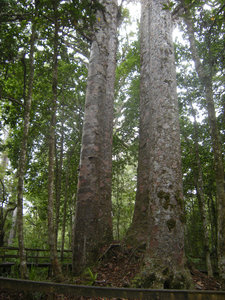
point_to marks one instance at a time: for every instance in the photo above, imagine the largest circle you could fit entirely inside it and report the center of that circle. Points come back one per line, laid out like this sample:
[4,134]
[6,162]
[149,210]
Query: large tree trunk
[93,223]
[56,268]
[23,157]
[164,258]
[205,76]
[138,231]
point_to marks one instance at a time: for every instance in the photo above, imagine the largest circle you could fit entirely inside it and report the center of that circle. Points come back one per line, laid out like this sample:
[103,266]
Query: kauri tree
[164,262]
[93,220]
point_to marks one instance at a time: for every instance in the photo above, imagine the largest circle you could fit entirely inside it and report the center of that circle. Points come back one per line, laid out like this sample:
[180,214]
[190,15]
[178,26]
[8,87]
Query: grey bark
[164,259]
[205,71]
[93,222]
[138,231]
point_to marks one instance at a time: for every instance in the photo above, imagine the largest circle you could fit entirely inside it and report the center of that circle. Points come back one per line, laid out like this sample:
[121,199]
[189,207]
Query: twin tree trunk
[93,220]
[160,184]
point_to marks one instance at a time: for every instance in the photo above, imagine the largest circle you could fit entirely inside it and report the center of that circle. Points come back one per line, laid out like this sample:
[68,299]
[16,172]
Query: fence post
[37,255]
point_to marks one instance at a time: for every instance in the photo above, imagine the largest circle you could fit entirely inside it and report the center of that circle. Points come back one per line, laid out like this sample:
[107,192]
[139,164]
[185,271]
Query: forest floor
[117,267]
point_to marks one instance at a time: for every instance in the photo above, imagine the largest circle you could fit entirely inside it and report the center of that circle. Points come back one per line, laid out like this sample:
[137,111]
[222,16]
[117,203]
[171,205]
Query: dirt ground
[119,266]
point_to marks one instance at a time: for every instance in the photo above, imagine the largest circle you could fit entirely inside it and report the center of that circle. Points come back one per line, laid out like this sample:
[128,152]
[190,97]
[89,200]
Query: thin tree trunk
[59,165]
[3,197]
[64,214]
[23,157]
[164,262]
[57,272]
[93,221]
[213,221]
[2,231]
[138,231]
[201,197]
[118,195]
[205,77]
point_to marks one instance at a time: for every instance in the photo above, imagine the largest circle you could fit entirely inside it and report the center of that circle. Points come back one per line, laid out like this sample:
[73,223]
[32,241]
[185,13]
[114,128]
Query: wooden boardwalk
[95,292]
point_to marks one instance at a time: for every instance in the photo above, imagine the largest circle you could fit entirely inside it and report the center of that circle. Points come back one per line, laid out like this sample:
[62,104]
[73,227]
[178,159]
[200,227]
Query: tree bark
[164,263]
[93,221]
[56,268]
[204,71]
[138,231]
[23,157]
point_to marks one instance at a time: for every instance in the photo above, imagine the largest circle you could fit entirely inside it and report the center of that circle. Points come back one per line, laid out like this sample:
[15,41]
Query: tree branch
[14,17]
[214,22]
[12,100]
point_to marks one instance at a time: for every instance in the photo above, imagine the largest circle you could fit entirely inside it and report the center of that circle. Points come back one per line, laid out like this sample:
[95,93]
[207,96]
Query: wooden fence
[35,257]
[108,293]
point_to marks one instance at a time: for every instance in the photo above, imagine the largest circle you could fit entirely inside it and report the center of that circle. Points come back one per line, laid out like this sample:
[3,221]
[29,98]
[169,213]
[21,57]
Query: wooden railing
[35,257]
[95,292]
[32,255]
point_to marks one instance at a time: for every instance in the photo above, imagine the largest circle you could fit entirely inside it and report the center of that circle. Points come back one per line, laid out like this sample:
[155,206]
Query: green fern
[93,277]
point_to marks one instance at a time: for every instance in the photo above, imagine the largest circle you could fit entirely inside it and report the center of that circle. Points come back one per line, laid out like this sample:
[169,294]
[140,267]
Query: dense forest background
[44,57]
